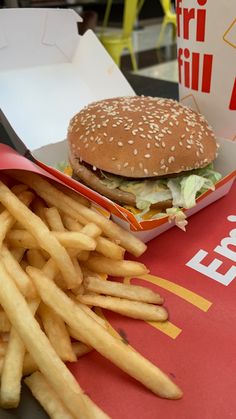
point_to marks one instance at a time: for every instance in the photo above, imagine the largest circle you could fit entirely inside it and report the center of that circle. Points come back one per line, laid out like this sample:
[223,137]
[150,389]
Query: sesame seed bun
[139,137]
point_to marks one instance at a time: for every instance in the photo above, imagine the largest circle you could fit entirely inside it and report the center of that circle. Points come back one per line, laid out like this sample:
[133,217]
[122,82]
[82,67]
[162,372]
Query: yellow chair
[116,43]
[169,18]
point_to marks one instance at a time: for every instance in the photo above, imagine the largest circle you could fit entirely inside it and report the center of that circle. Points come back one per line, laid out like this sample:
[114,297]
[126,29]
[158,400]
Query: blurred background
[140,35]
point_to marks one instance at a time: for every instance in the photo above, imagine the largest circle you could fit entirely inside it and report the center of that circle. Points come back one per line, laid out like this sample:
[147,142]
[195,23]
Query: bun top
[141,137]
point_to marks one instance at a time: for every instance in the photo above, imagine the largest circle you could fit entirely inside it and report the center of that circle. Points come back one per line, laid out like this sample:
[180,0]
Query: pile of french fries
[56,253]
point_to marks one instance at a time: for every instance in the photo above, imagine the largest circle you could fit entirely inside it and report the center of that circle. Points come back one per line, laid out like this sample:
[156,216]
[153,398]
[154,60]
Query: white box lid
[48,72]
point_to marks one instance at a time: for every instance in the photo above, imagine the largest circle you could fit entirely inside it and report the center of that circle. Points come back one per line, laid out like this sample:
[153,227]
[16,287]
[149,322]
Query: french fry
[70,223]
[12,371]
[38,345]
[75,240]
[75,334]
[133,309]
[104,246]
[42,234]
[79,272]
[102,264]
[38,206]
[80,349]
[54,219]
[114,349]
[89,311]
[74,195]
[118,289]
[71,207]
[50,269]
[7,220]
[19,188]
[68,239]
[30,366]
[109,249]
[35,258]
[91,230]
[13,366]
[47,397]
[55,223]
[20,277]
[18,253]
[5,325]
[57,333]
[83,255]
[3,347]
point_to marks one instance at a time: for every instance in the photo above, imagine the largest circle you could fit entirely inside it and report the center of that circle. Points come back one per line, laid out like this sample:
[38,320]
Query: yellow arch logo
[166,327]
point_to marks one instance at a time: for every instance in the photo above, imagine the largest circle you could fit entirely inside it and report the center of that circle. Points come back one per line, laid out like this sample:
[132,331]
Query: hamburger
[151,155]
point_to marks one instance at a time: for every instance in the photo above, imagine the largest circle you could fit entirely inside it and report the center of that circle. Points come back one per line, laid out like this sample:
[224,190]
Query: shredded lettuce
[147,192]
[182,190]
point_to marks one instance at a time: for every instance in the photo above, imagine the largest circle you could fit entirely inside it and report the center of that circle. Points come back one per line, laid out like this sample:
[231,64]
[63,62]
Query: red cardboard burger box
[195,271]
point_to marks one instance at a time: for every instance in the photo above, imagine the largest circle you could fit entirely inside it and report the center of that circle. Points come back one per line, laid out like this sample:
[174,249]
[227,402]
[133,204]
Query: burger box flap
[47,74]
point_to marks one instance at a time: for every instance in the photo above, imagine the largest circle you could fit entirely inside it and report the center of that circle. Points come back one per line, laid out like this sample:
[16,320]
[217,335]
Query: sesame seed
[163,144]
[173,148]
[157,145]
[171,159]
[147,156]
[126,164]
[120,144]
[130,142]
[188,146]
[135,151]
[148,145]
[145,171]
[140,165]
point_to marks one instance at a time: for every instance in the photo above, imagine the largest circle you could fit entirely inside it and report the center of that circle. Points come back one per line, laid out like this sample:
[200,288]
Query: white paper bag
[207,61]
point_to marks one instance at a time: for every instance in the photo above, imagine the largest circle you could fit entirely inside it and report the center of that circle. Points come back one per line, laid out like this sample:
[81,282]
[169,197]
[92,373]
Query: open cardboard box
[47,74]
